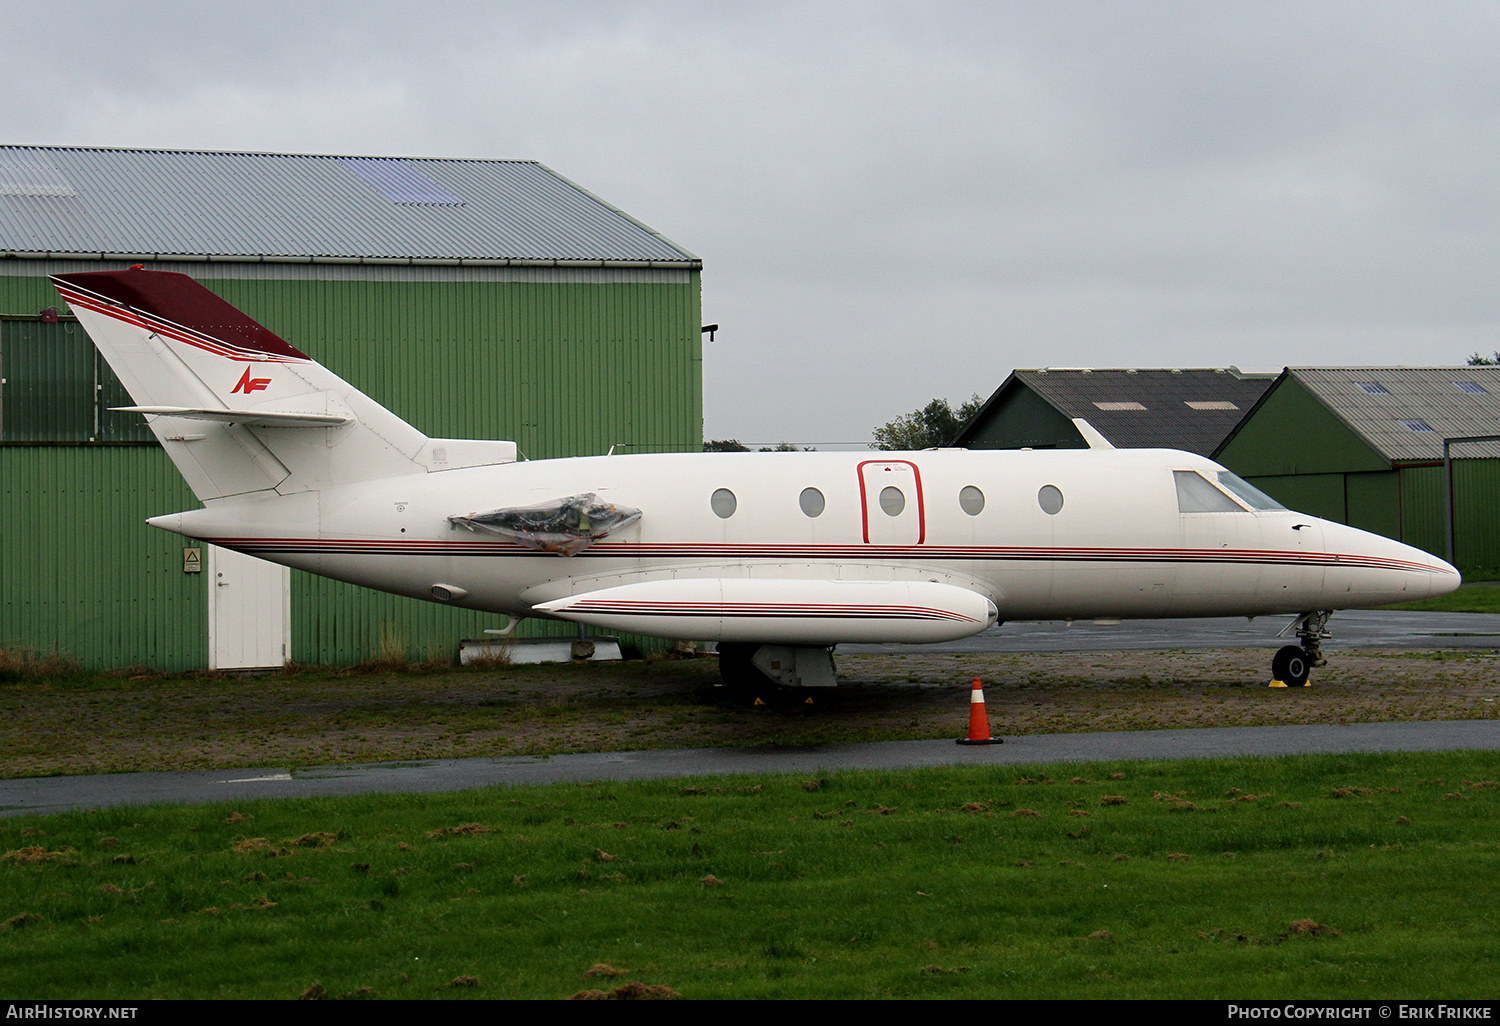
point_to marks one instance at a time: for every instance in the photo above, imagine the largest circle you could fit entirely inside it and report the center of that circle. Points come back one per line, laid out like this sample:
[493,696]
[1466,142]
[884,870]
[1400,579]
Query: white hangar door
[249,611]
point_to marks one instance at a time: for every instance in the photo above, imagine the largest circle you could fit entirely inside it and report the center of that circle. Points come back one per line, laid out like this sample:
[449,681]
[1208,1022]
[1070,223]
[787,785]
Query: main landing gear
[1293,664]
[775,672]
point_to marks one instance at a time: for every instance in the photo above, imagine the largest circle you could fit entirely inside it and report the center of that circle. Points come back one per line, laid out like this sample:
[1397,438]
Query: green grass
[1328,877]
[1470,598]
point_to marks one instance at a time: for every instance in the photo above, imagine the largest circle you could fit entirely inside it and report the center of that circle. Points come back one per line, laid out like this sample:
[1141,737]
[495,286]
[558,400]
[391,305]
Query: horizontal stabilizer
[254,418]
[788,612]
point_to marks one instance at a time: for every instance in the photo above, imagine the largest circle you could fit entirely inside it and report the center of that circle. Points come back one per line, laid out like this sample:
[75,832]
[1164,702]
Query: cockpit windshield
[1198,492]
[1247,492]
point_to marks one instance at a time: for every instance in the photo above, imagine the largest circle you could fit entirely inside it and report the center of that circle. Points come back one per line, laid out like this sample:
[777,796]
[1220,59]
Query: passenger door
[891,504]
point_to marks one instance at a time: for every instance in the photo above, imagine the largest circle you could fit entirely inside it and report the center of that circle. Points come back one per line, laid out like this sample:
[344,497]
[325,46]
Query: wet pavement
[1364,628]
[37,795]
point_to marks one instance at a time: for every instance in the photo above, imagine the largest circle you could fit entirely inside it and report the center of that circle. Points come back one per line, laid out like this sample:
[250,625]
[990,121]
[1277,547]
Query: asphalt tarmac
[39,795]
[1377,629]
[1359,628]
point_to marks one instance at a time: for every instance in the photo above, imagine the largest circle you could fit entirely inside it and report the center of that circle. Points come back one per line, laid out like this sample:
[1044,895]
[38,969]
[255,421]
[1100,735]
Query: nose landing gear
[1293,664]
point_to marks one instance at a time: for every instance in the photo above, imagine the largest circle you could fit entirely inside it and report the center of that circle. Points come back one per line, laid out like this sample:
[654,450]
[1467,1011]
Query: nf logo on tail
[247,384]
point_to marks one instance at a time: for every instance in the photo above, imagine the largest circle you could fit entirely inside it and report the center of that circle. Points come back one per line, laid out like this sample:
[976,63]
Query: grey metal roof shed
[1134,409]
[1404,413]
[1364,446]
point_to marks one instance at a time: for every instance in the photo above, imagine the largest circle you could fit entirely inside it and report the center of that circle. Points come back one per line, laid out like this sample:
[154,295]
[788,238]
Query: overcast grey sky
[894,201]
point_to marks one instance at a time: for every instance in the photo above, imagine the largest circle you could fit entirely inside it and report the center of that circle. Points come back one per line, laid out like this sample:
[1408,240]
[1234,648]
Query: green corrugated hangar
[1361,446]
[474,298]
[1364,446]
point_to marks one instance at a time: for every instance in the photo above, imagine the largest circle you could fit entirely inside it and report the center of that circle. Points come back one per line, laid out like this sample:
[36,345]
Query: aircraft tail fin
[237,408]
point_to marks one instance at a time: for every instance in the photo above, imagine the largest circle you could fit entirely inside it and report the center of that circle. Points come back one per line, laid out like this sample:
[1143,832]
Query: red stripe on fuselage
[924,553]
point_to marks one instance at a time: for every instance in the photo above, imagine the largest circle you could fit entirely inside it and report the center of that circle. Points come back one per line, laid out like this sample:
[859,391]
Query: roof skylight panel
[400,182]
[28,174]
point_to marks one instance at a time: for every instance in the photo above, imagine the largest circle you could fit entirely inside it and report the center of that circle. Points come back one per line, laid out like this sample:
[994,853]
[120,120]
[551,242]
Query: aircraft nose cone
[1440,578]
[1373,570]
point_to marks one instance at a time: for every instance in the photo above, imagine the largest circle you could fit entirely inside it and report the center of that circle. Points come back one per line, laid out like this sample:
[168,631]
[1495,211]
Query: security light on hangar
[475,298]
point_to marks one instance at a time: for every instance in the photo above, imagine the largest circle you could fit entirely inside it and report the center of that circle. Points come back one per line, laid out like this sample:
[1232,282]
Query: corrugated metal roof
[165,204]
[1191,409]
[1434,396]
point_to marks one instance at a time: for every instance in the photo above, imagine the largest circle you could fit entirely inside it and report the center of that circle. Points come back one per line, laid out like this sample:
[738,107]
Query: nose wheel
[1293,664]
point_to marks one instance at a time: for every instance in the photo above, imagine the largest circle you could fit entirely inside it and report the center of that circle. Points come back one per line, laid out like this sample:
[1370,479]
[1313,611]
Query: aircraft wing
[784,611]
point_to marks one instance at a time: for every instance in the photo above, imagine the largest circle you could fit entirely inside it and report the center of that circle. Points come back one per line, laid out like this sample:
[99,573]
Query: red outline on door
[864,506]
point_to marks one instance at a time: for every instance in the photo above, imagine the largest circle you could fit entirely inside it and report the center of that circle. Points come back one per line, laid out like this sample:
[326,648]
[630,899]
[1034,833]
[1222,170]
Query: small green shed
[1364,446]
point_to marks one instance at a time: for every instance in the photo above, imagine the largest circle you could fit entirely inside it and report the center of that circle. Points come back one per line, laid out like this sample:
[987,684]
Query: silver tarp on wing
[565,526]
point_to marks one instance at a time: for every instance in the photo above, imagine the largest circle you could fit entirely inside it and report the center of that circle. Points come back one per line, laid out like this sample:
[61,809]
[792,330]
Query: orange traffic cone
[979,723]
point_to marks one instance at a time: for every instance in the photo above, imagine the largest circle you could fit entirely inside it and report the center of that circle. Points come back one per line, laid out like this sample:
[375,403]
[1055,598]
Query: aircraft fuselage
[1048,534]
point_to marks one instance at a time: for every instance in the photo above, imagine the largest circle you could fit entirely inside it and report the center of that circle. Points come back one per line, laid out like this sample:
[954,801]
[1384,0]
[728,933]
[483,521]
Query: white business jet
[778,557]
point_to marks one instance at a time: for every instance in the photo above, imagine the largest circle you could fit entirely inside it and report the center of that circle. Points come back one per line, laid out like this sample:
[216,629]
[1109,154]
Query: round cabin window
[811,501]
[971,500]
[723,503]
[1050,498]
[892,501]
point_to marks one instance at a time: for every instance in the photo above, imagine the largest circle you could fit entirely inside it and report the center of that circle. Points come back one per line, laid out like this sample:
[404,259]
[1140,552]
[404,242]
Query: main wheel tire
[739,674]
[1292,666]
